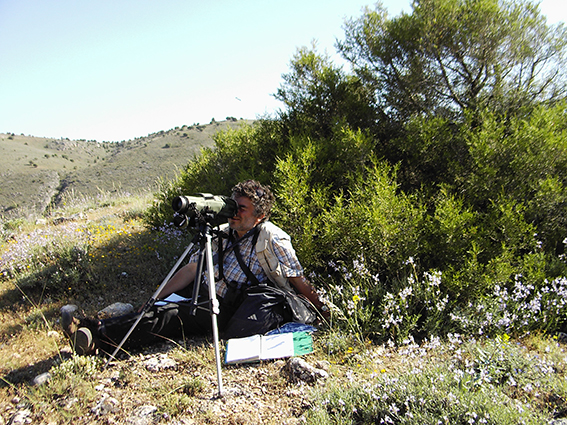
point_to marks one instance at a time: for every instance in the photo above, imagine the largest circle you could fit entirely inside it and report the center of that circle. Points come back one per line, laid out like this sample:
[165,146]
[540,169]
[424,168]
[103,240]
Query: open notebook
[267,347]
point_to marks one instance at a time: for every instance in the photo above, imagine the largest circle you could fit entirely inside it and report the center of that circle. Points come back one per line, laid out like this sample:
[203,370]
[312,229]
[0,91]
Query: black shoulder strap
[220,254]
[253,279]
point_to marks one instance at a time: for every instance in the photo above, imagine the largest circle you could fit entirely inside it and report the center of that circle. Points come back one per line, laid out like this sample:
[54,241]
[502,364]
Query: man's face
[244,220]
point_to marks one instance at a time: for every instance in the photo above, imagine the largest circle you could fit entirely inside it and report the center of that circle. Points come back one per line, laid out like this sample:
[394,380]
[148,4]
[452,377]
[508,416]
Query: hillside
[39,172]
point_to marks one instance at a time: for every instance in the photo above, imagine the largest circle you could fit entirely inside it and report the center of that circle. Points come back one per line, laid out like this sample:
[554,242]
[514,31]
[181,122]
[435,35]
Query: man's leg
[159,323]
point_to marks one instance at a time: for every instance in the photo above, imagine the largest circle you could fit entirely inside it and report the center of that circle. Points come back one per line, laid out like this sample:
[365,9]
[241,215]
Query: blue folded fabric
[292,327]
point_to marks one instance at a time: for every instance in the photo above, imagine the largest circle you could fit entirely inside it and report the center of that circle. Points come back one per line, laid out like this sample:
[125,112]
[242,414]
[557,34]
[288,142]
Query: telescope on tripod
[202,212]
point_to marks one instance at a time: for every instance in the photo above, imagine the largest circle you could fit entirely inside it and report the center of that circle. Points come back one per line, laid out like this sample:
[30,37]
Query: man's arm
[302,285]
[180,280]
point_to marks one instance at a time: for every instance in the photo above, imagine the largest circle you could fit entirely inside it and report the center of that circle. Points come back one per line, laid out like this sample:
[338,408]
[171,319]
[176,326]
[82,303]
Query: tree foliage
[319,97]
[451,56]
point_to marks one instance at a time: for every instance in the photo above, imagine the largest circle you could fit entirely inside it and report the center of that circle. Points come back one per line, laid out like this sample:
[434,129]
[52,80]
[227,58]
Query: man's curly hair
[261,196]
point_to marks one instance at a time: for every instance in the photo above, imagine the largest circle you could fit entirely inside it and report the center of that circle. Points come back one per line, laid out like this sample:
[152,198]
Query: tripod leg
[150,303]
[197,284]
[214,308]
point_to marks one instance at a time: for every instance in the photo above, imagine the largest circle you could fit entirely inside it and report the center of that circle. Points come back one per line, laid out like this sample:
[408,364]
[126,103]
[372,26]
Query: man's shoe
[83,342]
[69,322]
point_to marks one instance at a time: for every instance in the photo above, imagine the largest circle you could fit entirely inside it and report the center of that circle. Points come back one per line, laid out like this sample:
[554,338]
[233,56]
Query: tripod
[205,261]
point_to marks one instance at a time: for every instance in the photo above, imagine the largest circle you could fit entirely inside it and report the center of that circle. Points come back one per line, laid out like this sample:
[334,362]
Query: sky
[112,70]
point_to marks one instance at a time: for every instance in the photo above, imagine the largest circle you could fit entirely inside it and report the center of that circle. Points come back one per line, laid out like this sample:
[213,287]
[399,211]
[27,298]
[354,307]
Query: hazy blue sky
[113,70]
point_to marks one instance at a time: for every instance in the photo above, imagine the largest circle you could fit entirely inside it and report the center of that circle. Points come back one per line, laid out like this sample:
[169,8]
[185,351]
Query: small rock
[105,406]
[143,415]
[114,310]
[68,313]
[42,379]
[323,364]
[146,410]
[69,308]
[299,370]
[161,362]
[21,417]
[68,404]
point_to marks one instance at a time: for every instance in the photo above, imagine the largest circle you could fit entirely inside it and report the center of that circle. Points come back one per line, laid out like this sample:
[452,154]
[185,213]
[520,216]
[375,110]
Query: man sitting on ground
[249,225]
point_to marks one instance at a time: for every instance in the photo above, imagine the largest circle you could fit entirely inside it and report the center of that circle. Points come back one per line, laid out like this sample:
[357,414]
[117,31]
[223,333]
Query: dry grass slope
[41,172]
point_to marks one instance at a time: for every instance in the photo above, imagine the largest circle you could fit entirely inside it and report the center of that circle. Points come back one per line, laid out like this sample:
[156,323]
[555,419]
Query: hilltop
[40,172]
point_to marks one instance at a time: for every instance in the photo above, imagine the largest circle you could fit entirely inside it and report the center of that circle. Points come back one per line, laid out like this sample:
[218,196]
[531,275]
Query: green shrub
[375,220]
[452,229]
[470,210]
[524,158]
